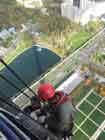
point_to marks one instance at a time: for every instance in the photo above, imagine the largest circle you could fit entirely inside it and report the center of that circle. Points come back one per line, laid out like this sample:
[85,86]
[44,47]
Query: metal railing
[63,70]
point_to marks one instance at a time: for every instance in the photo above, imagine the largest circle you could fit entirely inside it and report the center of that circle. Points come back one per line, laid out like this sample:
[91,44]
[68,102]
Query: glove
[41,119]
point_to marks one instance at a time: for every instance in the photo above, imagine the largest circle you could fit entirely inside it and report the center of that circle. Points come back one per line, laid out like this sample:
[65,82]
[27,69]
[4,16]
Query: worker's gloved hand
[34,115]
[35,103]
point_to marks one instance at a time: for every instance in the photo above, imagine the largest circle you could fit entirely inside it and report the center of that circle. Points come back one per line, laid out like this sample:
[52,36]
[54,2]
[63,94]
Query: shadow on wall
[29,66]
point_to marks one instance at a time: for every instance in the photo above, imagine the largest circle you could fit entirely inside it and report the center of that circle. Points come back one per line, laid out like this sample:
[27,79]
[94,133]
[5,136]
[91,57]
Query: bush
[94,26]
[25,40]
[7,42]
[56,24]
[77,40]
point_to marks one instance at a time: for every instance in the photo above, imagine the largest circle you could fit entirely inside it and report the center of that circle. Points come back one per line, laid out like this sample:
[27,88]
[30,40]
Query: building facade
[82,10]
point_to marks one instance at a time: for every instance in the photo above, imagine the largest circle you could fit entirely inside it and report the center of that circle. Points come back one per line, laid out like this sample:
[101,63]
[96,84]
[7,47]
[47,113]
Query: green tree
[99,58]
[13,14]
[53,6]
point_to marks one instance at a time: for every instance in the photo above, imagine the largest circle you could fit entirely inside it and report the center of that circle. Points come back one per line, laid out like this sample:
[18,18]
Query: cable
[17,76]
[13,85]
[7,100]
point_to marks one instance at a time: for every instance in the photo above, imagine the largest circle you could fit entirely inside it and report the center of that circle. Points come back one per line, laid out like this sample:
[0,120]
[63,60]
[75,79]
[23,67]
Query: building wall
[75,9]
[67,10]
[76,3]
[83,4]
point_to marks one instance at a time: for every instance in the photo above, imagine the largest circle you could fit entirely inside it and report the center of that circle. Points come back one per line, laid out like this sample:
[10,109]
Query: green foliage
[12,14]
[7,42]
[94,26]
[65,36]
[12,55]
[53,7]
[77,39]
[24,44]
[56,24]
[57,30]
[26,39]
[98,57]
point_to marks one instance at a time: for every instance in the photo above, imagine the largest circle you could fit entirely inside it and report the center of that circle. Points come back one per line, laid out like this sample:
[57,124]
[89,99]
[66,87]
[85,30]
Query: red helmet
[46,91]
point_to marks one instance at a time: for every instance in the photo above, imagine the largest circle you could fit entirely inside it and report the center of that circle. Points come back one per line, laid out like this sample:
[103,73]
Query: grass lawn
[102,136]
[102,106]
[78,39]
[94,99]
[79,97]
[98,117]
[74,128]
[89,127]
[79,136]
[80,92]
[79,118]
[86,108]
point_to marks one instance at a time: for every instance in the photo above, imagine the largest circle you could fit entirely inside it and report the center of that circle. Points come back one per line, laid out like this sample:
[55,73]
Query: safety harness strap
[62,99]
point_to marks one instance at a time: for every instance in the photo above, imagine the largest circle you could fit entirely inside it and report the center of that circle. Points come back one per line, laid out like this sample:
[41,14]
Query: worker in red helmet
[61,109]
[46,92]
